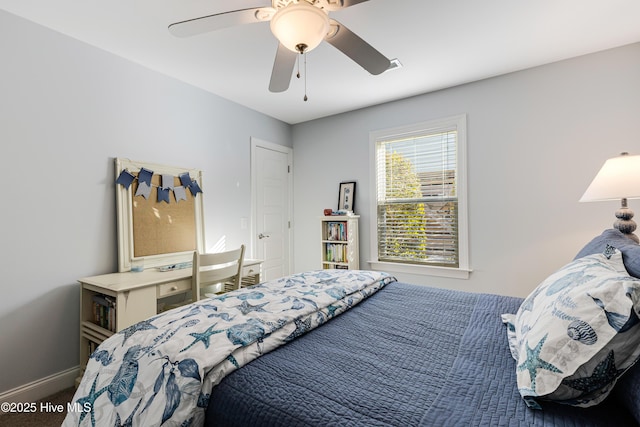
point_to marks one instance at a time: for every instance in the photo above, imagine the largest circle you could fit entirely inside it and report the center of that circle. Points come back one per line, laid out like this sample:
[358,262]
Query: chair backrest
[213,268]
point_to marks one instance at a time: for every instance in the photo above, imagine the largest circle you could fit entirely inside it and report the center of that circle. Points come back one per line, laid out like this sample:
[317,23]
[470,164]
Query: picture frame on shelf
[347,196]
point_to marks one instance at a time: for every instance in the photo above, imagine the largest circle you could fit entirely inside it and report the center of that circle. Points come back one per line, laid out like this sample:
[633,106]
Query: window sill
[423,270]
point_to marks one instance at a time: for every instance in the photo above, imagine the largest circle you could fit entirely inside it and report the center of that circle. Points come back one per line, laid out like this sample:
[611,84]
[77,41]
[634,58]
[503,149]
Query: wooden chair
[224,268]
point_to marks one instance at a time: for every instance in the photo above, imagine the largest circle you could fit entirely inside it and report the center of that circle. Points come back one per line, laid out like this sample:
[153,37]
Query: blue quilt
[409,355]
[161,371]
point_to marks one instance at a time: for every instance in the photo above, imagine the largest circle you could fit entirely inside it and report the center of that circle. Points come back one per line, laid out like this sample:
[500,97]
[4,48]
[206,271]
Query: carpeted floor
[40,418]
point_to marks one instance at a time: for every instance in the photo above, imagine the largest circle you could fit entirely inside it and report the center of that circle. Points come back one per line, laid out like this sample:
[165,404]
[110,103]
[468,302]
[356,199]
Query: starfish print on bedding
[204,337]
[90,402]
[129,421]
[246,308]
[533,362]
[312,292]
[331,310]
[602,374]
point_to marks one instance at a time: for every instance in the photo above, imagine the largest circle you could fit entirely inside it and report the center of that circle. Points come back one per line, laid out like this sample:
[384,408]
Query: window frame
[459,123]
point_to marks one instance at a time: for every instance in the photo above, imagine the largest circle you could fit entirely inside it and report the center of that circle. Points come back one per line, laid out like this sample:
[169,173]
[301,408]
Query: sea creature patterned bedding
[162,371]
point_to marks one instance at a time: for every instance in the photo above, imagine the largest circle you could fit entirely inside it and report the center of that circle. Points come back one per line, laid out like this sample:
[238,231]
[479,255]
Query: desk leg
[135,305]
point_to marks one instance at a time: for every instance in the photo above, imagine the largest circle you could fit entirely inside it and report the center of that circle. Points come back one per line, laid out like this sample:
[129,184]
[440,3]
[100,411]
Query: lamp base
[624,223]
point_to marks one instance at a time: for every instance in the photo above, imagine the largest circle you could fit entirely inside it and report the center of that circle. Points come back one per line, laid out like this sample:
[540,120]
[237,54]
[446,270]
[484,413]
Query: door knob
[263,236]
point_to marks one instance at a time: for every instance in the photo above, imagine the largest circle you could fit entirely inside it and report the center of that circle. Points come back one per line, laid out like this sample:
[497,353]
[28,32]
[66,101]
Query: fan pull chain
[302,49]
[305,78]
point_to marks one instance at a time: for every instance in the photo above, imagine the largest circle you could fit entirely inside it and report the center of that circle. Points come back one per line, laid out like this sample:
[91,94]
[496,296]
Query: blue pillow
[612,237]
[628,390]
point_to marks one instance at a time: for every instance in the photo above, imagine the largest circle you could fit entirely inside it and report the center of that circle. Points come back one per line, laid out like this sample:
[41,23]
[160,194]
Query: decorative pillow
[577,332]
[612,237]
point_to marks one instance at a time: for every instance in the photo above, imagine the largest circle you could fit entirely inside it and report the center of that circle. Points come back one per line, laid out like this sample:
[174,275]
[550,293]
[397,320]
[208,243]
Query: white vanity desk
[156,233]
[136,296]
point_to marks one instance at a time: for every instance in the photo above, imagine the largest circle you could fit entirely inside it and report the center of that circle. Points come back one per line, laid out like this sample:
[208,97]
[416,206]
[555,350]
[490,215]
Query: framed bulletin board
[156,231]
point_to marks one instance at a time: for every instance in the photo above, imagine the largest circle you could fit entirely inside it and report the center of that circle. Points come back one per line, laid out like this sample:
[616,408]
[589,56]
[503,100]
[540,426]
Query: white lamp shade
[619,178]
[300,24]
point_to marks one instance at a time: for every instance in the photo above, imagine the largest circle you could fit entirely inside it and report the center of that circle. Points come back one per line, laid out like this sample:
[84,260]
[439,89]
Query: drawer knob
[174,288]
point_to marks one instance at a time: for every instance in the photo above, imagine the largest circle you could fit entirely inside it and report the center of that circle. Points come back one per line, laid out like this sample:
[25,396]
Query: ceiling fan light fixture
[300,27]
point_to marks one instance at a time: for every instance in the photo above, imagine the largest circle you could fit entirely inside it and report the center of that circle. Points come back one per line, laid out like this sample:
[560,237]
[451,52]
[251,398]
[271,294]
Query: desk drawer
[173,288]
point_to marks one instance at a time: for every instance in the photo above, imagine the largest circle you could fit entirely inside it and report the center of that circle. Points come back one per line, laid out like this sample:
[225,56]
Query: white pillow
[577,332]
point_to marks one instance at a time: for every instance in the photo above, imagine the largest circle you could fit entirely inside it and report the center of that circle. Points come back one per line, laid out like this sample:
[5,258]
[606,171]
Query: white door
[272,206]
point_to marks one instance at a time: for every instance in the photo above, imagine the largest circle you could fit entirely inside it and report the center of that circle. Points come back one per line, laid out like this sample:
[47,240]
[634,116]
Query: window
[420,213]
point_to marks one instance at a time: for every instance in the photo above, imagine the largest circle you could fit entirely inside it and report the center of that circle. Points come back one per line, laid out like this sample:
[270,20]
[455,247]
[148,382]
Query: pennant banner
[143,190]
[195,188]
[164,190]
[185,179]
[179,193]
[163,195]
[125,179]
[145,176]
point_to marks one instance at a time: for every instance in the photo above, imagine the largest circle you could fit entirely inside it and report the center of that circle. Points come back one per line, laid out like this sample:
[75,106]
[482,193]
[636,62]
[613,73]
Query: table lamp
[619,178]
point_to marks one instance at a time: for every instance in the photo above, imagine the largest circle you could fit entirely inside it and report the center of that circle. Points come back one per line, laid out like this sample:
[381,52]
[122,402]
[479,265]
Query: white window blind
[417,198]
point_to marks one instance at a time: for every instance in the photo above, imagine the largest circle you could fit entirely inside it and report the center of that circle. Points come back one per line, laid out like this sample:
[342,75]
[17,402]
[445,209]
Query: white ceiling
[441,43]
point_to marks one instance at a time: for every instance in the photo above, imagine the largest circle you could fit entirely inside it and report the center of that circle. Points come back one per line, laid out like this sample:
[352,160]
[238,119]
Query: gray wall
[536,139]
[66,110]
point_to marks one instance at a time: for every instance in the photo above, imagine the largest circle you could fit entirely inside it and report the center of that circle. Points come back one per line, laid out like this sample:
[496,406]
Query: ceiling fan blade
[347,3]
[204,24]
[282,69]
[333,5]
[357,49]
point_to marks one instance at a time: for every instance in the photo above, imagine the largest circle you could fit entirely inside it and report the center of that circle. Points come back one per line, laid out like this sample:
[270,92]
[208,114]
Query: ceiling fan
[300,26]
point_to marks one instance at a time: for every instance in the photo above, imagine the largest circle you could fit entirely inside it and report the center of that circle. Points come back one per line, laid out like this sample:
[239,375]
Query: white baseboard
[41,388]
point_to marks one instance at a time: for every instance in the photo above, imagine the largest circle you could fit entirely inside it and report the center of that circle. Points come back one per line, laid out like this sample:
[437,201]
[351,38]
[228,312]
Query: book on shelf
[104,311]
[336,230]
[333,266]
[336,252]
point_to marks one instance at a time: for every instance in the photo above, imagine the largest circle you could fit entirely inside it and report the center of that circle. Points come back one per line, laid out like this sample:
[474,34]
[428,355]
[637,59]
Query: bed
[374,352]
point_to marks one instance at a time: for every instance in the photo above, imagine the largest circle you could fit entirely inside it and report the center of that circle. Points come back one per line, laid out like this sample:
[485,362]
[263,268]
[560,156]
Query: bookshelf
[340,247]
[110,303]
